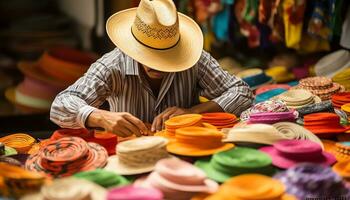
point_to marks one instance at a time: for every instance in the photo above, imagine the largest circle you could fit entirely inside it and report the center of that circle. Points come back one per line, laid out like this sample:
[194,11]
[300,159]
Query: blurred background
[45,45]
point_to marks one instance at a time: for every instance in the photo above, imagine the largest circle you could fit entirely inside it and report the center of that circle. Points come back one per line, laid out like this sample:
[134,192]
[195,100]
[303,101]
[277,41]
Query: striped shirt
[116,77]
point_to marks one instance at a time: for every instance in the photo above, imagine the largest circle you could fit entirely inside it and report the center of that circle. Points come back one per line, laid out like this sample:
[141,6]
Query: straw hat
[297,98]
[155,35]
[138,156]
[333,63]
[177,179]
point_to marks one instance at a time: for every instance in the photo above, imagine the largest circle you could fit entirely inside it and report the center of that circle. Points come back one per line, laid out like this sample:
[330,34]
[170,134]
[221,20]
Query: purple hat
[272,117]
[287,153]
[134,193]
[310,180]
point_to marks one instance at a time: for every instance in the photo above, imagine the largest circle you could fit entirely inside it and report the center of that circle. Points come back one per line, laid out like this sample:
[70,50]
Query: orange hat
[343,169]
[220,119]
[251,186]
[19,141]
[197,141]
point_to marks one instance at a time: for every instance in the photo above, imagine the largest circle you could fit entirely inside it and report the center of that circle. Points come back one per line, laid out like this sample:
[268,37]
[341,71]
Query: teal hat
[240,160]
[103,178]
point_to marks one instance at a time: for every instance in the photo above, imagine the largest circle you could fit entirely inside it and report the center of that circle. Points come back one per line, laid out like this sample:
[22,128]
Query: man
[157,71]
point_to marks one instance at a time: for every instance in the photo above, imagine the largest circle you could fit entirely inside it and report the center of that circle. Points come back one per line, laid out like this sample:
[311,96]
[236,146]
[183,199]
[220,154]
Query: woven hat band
[155,36]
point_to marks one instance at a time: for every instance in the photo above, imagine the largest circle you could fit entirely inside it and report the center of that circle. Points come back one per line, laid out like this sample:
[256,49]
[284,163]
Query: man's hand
[121,123]
[158,122]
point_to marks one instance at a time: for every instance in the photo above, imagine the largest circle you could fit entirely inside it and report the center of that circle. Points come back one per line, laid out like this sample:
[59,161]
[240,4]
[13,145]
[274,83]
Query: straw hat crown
[156,24]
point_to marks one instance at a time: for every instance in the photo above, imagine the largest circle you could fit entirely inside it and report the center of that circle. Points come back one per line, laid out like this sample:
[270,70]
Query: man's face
[154,74]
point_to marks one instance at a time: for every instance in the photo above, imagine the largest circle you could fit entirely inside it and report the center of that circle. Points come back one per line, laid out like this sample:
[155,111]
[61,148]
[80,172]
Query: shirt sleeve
[71,107]
[228,91]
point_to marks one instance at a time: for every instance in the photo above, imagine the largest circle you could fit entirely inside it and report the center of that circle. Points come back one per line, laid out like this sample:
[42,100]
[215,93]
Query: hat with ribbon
[297,98]
[287,153]
[240,160]
[333,63]
[324,106]
[343,78]
[157,36]
[323,124]
[197,141]
[340,99]
[20,141]
[70,189]
[272,106]
[15,181]
[220,120]
[138,156]
[308,180]
[67,156]
[251,187]
[104,178]
[255,77]
[177,179]
[134,193]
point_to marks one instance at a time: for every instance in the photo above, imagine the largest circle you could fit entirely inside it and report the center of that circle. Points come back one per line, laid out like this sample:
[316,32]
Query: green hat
[240,160]
[103,178]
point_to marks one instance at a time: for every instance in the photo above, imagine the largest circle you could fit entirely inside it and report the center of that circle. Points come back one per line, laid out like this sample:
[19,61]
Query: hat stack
[343,78]
[134,193]
[220,120]
[324,106]
[105,139]
[287,153]
[177,179]
[251,186]
[138,156]
[103,178]
[255,77]
[323,124]
[69,188]
[333,63]
[298,98]
[309,180]
[280,74]
[197,141]
[240,160]
[340,99]
[322,87]
[270,106]
[21,142]
[180,121]
[67,156]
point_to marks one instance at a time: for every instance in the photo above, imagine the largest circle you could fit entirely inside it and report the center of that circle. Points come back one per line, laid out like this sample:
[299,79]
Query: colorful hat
[340,99]
[263,107]
[180,121]
[20,141]
[322,87]
[273,117]
[266,88]
[323,123]
[177,179]
[197,141]
[67,156]
[343,78]
[37,89]
[287,153]
[138,156]
[255,77]
[103,178]
[134,193]
[253,133]
[240,160]
[268,94]
[333,63]
[297,98]
[220,120]
[15,181]
[324,106]
[251,186]
[293,131]
[309,180]
[280,74]
[69,188]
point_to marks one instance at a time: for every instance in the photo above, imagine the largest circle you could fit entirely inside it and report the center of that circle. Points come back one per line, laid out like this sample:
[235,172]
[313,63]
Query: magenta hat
[177,178]
[134,193]
[272,117]
[287,153]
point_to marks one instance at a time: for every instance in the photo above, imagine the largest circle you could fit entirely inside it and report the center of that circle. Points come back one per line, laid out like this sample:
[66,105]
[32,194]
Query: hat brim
[285,163]
[183,56]
[114,165]
[213,174]
[179,149]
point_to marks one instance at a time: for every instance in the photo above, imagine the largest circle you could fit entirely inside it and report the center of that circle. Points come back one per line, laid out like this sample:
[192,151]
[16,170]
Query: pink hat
[176,178]
[134,193]
[287,153]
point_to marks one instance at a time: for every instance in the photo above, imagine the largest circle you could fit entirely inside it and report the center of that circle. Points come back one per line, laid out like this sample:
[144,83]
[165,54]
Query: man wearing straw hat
[157,71]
